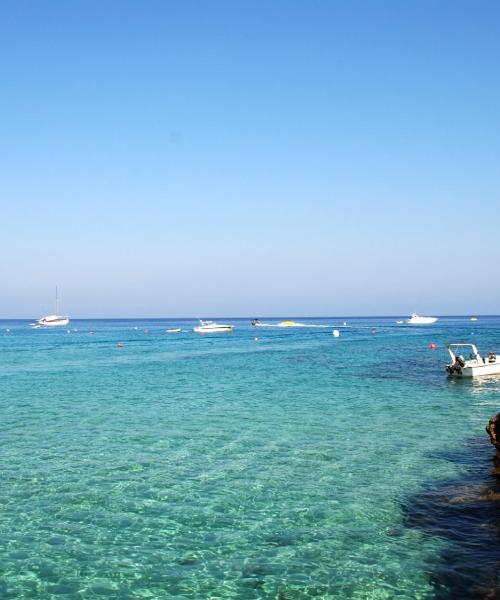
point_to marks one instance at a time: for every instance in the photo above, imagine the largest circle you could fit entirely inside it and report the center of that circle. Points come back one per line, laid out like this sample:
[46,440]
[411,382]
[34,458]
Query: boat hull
[478,371]
[422,321]
[58,323]
[213,329]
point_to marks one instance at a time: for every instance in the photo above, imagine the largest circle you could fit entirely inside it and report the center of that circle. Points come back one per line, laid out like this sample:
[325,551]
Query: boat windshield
[464,347]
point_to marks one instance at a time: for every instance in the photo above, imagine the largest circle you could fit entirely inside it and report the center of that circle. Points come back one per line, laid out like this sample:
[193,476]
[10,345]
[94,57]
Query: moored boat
[467,362]
[54,320]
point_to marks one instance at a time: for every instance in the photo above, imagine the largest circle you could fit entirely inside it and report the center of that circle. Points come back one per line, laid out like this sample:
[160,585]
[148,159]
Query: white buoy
[336,333]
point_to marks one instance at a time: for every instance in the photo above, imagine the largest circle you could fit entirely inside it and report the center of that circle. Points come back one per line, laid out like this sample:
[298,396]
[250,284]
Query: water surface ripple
[296,465]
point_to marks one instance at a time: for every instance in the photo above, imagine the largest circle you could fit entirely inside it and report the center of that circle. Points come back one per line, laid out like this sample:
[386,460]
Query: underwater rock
[493,430]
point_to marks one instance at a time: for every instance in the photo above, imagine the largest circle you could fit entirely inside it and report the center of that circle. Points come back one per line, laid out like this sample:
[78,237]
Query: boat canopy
[459,349]
[452,346]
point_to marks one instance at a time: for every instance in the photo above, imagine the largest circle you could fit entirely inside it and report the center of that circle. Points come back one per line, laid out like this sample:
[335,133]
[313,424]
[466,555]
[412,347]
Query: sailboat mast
[57,303]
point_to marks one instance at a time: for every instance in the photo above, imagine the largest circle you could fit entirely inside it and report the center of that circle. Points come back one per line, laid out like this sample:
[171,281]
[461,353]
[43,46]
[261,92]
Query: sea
[280,463]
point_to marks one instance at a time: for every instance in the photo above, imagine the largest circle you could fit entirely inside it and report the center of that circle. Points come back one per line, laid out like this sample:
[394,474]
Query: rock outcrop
[493,429]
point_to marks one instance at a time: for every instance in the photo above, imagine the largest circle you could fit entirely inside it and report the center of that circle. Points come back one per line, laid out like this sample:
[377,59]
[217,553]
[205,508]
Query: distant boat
[54,320]
[175,330]
[212,327]
[417,320]
[473,318]
[258,323]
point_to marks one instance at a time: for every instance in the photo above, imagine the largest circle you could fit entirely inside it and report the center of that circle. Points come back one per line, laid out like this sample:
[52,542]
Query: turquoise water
[187,466]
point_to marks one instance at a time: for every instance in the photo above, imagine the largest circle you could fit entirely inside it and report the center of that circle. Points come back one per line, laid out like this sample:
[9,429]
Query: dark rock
[493,430]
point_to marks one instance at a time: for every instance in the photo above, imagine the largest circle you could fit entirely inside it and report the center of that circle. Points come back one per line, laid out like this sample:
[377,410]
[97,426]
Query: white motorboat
[467,362]
[418,320]
[54,320]
[175,330]
[212,327]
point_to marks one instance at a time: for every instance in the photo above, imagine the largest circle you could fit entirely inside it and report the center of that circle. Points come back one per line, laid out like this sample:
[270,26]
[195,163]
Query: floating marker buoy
[374,331]
[256,339]
[335,333]
[432,346]
[120,345]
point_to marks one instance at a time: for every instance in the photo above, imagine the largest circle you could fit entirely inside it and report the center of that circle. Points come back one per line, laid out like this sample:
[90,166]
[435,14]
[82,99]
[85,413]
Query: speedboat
[258,323]
[174,330]
[474,365]
[417,320]
[212,327]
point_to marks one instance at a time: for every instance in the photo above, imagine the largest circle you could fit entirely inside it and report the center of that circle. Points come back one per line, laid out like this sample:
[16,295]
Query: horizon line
[191,318]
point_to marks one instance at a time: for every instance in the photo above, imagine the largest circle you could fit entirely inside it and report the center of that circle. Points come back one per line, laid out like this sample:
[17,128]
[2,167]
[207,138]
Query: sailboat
[54,320]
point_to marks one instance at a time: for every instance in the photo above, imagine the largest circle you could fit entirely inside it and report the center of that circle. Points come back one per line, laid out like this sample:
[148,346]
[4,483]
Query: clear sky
[265,157]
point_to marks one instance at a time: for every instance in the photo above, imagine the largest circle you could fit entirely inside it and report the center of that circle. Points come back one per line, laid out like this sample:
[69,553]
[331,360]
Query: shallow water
[295,465]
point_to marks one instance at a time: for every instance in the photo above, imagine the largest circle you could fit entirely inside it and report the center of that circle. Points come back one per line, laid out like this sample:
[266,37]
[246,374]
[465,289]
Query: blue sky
[249,158]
